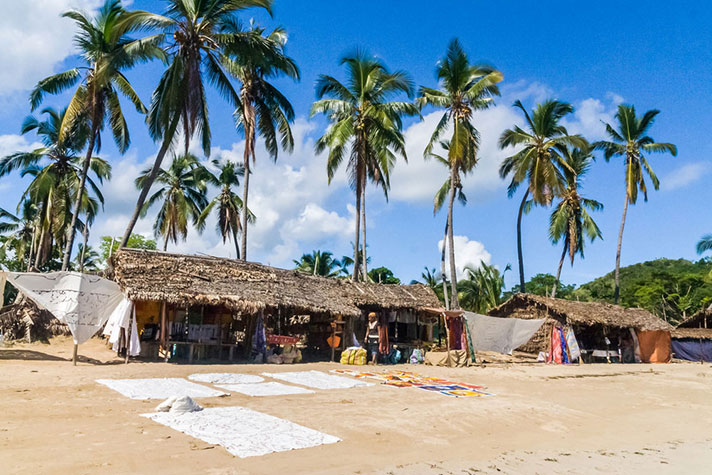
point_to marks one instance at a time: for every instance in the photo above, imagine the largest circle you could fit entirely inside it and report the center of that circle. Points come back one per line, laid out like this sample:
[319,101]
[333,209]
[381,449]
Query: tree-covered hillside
[672,289]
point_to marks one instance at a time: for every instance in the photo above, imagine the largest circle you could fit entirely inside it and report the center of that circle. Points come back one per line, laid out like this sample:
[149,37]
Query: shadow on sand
[31,355]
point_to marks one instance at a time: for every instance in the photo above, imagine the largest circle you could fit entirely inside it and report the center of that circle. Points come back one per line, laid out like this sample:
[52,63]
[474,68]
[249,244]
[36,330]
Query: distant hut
[210,304]
[692,339]
[593,323]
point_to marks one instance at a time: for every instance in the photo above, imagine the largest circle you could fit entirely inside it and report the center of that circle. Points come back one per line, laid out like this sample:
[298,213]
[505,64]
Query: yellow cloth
[355,356]
[458,358]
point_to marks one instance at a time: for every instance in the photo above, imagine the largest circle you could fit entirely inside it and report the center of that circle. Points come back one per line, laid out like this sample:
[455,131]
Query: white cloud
[467,254]
[37,40]
[684,176]
[590,114]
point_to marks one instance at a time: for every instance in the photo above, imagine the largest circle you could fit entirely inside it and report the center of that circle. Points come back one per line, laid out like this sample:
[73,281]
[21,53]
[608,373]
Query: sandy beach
[542,419]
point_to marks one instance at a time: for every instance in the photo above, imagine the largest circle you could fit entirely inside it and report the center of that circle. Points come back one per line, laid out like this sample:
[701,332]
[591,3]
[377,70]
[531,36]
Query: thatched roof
[584,313]
[698,319]
[248,287]
[696,333]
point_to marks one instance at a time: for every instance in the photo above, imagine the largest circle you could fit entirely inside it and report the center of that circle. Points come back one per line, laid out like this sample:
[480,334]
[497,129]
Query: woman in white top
[371,338]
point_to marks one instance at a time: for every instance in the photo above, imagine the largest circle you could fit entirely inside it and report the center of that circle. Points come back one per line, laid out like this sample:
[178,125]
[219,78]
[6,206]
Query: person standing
[371,339]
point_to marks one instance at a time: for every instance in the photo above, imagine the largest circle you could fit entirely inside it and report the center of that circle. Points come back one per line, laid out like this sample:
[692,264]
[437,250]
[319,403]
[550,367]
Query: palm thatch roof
[580,313]
[696,333]
[248,287]
[702,319]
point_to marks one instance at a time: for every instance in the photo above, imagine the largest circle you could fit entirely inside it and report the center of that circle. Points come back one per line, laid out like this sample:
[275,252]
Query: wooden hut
[594,323]
[209,303]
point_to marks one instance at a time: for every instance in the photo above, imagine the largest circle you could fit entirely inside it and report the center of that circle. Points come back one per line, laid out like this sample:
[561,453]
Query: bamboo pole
[74,354]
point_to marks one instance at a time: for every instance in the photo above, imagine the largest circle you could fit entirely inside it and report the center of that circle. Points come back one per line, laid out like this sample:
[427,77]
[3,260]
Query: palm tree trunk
[245,191]
[71,232]
[454,304]
[165,243]
[85,232]
[357,231]
[442,267]
[32,248]
[617,292]
[237,245]
[363,230]
[165,146]
[558,272]
[522,287]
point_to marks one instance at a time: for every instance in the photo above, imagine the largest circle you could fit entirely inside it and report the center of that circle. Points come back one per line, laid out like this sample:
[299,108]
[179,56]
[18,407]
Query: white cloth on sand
[502,335]
[264,389]
[179,404]
[243,432]
[226,378]
[159,388]
[84,302]
[317,380]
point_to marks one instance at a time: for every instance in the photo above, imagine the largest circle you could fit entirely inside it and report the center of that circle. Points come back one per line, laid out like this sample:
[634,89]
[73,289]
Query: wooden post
[128,333]
[447,340]
[164,327]
[74,354]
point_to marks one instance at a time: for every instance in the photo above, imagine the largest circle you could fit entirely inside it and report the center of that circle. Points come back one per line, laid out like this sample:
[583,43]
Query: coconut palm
[319,263]
[705,244]
[262,110]
[570,221]
[630,139]
[538,161]
[465,88]
[366,125]
[481,290]
[56,171]
[108,50]
[87,259]
[19,232]
[182,193]
[227,202]
[198,31]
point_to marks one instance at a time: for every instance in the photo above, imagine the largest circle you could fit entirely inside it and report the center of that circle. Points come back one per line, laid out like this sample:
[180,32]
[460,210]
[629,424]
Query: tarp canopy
[83,302]
[502,335]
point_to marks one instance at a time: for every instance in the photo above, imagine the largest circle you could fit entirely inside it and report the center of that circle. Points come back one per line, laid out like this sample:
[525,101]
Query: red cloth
[556,350]
[383,346]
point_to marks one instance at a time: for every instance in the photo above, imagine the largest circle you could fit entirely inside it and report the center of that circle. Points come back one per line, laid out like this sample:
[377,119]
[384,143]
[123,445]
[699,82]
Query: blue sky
[651,54]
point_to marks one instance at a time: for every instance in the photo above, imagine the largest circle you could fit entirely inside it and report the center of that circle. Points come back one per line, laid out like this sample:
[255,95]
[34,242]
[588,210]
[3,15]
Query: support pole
[74,354]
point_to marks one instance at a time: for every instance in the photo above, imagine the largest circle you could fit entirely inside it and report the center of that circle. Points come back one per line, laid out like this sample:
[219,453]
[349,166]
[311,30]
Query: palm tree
[629,140]
[705,244]
[108,50]
[368,126]
[182,192]
[570,220]
[198,31]
[87,259]
[19,232]
[319,263]
[482,289]
[465,88]
[228,203]
[538,161]
[262,108]
[56,171]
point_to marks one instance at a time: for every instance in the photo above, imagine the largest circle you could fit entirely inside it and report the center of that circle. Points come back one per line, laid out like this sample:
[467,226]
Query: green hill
[671,289]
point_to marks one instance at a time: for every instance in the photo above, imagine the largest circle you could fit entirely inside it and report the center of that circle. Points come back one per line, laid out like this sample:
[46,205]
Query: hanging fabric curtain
[120,319]
[83,302]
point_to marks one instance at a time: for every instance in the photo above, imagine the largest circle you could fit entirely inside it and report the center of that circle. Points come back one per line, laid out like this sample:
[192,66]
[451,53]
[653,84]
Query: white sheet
[317,380]
[264,389]
[84,302]
[502,335]
[159,388]
[226,378]
[243,432]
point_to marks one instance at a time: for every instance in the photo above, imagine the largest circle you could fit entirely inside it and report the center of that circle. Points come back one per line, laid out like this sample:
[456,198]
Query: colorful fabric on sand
[407,379]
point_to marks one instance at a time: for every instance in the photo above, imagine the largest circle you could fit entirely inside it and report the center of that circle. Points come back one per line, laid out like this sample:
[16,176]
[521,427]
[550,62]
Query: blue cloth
[692,349]
[564,348]
[259,341]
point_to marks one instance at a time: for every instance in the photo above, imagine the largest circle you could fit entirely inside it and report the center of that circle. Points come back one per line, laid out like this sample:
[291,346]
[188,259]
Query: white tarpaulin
[159,388]
[317,380]
[84,302]
[243,432]
[502,335]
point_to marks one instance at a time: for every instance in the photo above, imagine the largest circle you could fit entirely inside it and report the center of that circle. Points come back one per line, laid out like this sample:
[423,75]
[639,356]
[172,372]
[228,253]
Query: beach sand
[543,419]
